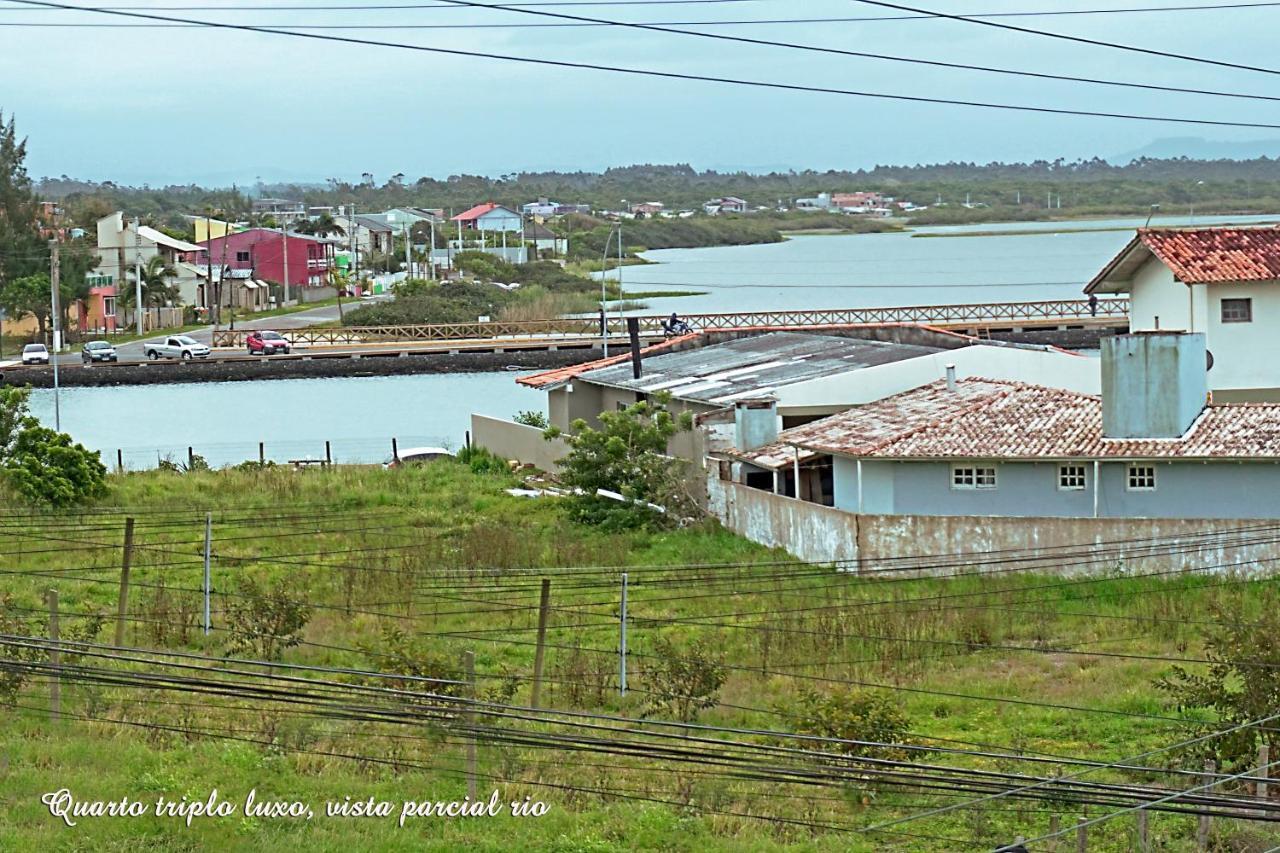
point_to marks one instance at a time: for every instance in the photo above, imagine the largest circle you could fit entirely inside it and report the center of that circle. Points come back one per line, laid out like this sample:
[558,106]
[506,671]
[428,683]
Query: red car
[266,343]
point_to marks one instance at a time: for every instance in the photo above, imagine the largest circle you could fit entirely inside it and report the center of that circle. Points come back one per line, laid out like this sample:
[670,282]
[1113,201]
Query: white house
[1223,282]
[489,217]
[121,246]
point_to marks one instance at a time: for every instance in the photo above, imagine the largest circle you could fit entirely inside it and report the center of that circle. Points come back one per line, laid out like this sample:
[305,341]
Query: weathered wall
[1030,489]
[822,534]
[511,440]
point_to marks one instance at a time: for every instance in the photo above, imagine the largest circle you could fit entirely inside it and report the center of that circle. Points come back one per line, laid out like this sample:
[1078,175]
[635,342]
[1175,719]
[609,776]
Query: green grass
[441,552]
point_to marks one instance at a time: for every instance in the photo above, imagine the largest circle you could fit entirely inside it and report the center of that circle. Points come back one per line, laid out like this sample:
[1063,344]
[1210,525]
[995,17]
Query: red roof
[476,212]
[1203,255]
[1015,420]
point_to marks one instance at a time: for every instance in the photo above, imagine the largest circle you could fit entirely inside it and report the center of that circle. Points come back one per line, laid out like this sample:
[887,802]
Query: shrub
[683,682]
[263,622]
[627,455]
[482,460]
[533,419]
[872,724]
[48,467]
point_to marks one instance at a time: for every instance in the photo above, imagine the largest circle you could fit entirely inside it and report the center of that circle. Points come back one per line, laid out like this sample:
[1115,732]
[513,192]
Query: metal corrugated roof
[749,367]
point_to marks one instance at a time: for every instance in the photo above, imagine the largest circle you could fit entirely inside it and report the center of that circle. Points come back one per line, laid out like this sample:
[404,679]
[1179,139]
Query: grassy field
[406,570]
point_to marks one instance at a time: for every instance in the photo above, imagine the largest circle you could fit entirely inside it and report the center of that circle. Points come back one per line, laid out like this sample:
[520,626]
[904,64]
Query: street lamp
[1193,201]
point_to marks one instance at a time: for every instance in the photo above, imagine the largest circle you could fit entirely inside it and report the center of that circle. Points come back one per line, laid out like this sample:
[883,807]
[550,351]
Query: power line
[1063,37]
[668,75]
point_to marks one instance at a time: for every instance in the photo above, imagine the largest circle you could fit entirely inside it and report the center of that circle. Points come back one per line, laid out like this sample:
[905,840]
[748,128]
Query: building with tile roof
[1223,282]
[1149,447]
[489,217]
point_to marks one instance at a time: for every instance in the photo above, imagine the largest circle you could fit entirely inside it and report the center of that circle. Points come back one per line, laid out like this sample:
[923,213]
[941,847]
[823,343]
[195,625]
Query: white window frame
[1071,481]
[1131,474]
[1243,303]
[969,478]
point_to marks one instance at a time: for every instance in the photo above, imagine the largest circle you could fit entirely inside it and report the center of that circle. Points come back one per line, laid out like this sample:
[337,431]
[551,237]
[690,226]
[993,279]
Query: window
[108,306]
[242,257]
[1237,310]
[965,477]
[1070,477]
[1142,478]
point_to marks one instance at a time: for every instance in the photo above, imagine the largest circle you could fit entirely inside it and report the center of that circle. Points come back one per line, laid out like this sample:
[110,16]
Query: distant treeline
[1014,190]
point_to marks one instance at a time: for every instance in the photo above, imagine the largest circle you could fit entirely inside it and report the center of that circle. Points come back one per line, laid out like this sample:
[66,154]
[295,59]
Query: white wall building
[1224,282]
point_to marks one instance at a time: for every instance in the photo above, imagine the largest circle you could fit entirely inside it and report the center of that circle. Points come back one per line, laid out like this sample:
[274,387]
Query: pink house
[262,252]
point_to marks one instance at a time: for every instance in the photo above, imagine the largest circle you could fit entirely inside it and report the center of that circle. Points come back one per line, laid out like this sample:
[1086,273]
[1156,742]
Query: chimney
[755,422]
[951,377]
[1154,384]
[633,330]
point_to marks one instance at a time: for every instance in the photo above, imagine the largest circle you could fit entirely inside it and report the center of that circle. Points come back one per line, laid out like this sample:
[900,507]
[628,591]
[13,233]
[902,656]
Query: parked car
[266,343]
[177,346]
[35,354]
[98,351]
[413,455]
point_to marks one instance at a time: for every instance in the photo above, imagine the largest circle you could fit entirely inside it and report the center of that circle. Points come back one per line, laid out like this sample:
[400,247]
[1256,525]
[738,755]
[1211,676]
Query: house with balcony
[262,251]
[489,217]
[1223,283]
[121,247]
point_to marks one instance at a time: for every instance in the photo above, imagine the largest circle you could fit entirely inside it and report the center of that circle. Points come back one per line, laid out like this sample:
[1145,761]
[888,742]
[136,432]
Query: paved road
[133,350]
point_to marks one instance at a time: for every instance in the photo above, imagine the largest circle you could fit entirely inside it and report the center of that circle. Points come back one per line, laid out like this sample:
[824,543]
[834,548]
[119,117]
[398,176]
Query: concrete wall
[824,535]
[1158,301]
[1029,489]
[511,440]
[1153,385]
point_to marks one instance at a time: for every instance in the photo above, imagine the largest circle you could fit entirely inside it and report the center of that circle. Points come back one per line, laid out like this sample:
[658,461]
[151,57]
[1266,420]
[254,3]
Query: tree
[157,290]
[23,251]
[263,621]
[322,226]
[628,456]
[1239,684]
[43,465]
[31,295]
[682,682]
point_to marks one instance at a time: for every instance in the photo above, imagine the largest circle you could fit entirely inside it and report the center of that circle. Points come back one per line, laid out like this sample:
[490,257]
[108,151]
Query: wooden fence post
[544,608]
[1082,834]
[1055,826]
[469,666]
[126,560]
[191,458]
[119,461]
[1206,823]
[1264,768]
[262,454]
[395,451]
[328,455]
[55,658]
[1144,832]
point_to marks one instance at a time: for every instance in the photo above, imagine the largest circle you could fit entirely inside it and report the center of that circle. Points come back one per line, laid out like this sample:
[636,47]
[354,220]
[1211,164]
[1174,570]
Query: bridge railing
[977,314]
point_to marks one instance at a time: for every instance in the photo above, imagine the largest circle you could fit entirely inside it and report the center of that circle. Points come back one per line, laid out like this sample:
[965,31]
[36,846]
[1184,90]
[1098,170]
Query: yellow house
[212,229]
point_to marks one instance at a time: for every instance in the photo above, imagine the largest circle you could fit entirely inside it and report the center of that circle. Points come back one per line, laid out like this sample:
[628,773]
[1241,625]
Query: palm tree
[322,226]
[156,287]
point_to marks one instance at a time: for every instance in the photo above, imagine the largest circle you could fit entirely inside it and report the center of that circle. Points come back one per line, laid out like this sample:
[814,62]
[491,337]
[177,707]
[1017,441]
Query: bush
[482,460]
[627,455]
[872,724]
[533,419]
[263,622]
[683,682]
[48,467]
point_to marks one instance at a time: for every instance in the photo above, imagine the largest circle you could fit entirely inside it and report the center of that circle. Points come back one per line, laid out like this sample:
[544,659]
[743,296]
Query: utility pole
[55,275]
[284,248]
[408,257]
[431,251]
[137,274]
[222,273]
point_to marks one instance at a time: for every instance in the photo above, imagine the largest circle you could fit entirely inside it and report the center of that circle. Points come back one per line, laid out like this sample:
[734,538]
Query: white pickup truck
[177,346]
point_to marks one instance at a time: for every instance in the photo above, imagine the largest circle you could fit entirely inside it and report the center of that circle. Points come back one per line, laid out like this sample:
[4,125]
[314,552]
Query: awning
[251,284]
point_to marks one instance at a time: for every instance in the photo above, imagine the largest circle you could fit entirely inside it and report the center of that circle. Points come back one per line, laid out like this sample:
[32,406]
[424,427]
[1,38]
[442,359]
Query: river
[225,421]
[932,265]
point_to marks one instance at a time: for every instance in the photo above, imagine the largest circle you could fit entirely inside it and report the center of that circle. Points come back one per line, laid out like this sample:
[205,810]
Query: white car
[35,354]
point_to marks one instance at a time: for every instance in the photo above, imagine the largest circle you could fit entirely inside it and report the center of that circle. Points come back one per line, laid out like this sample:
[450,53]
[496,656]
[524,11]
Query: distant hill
[1197,148]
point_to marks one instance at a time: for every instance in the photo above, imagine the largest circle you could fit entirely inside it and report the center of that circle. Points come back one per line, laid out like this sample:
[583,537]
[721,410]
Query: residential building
[121,247]
[372,233]
[648,208]
[727,204]
[98,312]
[858,200]
[544,240]
[1148,447]
[281,209]
[810,373]
[262,252]
[820,202]
[1222,282]
[232,288]
[50,214]
[543,207]
[489,217]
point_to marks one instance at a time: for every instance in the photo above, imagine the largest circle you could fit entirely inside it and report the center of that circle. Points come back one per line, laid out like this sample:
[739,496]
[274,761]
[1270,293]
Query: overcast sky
[170,104]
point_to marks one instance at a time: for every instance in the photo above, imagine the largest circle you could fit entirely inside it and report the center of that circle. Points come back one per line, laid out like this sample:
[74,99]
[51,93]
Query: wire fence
[342,450]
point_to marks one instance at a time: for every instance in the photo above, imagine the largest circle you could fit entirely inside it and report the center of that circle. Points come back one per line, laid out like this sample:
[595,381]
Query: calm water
[881,270]
[224,421]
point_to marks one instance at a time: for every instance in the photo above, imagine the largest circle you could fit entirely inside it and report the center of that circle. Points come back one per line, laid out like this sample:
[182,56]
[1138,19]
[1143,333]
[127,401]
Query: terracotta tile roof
[476,212]
[860,431]
[1201,255]
[1012,420]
